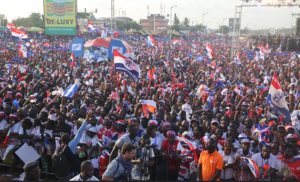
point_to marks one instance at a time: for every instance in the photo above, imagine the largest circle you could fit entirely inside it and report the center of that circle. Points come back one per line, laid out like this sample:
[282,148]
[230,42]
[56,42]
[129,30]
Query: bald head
[85,165]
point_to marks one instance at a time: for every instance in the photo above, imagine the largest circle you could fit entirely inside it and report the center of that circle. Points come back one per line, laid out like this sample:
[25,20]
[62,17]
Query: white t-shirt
[272,161]
[15,129]
[162,137]
[228,171]
[158,142]
[78,178]
[3,124]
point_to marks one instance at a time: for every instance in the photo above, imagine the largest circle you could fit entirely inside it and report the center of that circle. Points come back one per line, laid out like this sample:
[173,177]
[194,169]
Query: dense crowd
[211,114]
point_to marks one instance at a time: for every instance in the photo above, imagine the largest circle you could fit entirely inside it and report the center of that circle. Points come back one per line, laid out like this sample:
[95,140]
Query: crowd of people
[211,115]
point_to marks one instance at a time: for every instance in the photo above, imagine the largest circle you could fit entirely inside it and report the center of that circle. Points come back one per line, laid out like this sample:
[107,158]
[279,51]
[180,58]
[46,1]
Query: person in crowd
[86,173]
[228,156]
[210,162]
[68,148]
[144,160]
[131,137]
[120,169]
[32,171]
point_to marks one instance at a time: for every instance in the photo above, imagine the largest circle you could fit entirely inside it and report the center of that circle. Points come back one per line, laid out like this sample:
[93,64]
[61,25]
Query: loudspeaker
[297,26]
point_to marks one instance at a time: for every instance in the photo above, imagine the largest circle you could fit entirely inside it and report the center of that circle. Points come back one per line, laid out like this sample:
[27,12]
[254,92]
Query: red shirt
[171,151]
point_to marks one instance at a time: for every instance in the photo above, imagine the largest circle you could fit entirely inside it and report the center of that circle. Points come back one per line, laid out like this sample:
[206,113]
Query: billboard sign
[77,47]
[231,26]
[60,17]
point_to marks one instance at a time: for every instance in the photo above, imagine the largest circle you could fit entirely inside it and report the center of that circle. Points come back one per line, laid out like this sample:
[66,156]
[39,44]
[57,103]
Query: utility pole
[147,10]
[203,21]
[171,19]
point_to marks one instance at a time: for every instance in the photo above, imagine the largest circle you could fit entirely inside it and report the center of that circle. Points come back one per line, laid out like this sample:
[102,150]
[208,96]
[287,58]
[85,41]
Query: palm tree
[186,22]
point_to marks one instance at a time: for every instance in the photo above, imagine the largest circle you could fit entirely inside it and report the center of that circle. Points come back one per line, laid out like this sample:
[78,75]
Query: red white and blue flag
[263,134]
[10,25]
[209,51]
[151,41]
[276,99]
[126,65]
[91,27]
[192,146]
[252,166]
[18,34]
[23,52]
[160,46]
[293,165]
[237,60]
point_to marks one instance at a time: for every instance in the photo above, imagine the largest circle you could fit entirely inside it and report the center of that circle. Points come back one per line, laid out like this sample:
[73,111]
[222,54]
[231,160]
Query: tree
[129,25]
[34,20]
[86,16]
[225,29]
[186,22]
[176,24]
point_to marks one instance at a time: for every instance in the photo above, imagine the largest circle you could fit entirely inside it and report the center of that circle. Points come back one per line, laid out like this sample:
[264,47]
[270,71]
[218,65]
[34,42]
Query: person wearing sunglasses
[32,171]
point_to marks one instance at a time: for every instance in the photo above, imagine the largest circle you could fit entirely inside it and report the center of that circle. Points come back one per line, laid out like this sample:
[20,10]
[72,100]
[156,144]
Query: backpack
[61,164]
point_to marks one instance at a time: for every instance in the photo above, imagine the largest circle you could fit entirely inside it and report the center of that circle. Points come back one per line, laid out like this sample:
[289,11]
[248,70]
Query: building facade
[2,17]
[160,23]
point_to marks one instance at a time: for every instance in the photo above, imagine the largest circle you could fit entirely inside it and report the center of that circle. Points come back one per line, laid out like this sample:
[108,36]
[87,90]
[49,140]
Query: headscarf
[171,133]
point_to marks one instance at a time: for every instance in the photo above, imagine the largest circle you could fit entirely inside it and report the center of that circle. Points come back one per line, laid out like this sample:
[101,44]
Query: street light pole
[171,18]
[223,27]
[154,20]
[203,21]
[247,28]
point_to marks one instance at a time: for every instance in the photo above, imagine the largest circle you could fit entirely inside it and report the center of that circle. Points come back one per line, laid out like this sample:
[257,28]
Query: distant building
[160,23]
[2,17]
[104,20]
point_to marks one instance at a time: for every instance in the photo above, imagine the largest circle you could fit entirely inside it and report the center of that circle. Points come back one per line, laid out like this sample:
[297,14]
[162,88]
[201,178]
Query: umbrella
[35,29]
[21,28]
[98,42]
[101,42]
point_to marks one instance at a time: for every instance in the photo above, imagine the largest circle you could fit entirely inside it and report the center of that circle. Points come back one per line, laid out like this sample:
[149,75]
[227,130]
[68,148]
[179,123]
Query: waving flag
[175,41]
[253,166]
[293,165]
[18,34]
[192,146]
[194,45]
[69,92]
[237,60]
[10,25]
[276,99]
[91,27]
[148,106]
[126,65]
[160,46]
[23,52]
[151,41]
[60,45]
[47,45]
[239,92]
[261,47]
[209,51]
[263,134]
[262,89]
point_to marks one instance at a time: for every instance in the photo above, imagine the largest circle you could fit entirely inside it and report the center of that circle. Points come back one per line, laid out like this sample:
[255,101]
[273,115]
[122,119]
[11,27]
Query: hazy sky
[269,17]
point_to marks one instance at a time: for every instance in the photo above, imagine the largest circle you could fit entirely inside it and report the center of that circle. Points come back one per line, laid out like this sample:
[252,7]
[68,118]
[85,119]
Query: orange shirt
[210,163]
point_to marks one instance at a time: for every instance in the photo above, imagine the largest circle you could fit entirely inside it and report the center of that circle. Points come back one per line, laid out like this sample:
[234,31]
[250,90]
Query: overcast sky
[267,17]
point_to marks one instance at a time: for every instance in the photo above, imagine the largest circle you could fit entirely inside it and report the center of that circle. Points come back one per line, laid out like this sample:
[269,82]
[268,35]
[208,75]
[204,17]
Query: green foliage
[127,26]
[176,24]
[86,16]
[33,20]
[186,22]
[225,29]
